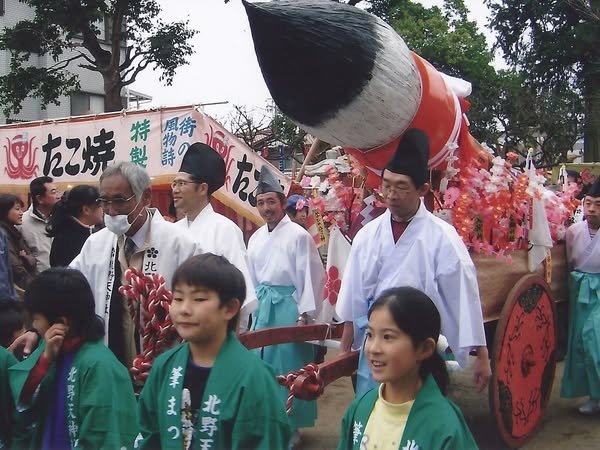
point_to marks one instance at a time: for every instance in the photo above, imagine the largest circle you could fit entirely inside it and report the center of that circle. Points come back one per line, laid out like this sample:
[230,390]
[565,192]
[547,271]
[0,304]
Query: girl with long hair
[409,409]
[22,259]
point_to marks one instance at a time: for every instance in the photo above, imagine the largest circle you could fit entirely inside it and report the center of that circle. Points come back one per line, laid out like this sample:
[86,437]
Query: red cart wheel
[523,360]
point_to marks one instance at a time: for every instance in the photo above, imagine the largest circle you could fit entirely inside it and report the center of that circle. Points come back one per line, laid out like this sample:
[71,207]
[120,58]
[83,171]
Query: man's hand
[304,319]
[347,337]
[482,370]
[24,344]
[54,337]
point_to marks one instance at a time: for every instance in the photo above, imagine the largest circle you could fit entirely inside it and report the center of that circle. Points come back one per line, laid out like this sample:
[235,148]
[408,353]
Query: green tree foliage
[69,32]
[547,120]
[555,45]
[452,43]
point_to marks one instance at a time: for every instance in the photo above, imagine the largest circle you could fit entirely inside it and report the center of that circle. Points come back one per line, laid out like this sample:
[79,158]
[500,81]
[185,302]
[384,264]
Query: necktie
[129,249]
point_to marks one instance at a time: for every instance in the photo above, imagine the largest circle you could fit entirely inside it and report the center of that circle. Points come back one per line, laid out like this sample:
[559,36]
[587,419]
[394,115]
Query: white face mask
[120,224]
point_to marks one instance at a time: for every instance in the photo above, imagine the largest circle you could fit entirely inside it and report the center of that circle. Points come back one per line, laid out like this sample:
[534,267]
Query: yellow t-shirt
[386,424]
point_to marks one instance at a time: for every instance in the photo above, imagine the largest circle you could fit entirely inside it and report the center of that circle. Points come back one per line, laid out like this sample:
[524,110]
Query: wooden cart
[519,311]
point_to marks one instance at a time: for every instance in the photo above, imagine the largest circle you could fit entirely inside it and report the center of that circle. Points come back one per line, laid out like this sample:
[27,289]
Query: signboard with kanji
[77,150]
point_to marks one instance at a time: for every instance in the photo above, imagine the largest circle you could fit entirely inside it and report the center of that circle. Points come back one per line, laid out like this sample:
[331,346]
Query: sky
[224,67]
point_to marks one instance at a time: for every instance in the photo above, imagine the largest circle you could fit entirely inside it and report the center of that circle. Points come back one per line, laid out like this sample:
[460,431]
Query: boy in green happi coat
[6,403]
[210,392]
[409,409]
[72,392]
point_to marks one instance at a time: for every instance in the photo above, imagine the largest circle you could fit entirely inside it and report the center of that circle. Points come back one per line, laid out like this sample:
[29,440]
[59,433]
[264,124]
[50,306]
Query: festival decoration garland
[490,208]
[148,301]
[339,198]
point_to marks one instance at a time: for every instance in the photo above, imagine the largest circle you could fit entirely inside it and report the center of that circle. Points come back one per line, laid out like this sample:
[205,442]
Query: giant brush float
[348,78]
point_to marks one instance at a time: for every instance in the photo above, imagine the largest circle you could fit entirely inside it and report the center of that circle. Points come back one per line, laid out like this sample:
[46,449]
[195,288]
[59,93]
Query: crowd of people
[64,380]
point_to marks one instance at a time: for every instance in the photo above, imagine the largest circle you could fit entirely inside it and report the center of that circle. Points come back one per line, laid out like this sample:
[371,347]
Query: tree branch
[136,72]
[90,67]
[90,40]
[133,70]
[133,58]
[62,64]
[128,59]
[584,9]
[84,56]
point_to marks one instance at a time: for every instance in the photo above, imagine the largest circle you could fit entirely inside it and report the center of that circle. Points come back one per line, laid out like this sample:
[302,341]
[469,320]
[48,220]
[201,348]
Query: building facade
[89,100]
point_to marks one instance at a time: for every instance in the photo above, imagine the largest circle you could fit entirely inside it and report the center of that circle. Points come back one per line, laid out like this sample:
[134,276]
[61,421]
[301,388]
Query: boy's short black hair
[62,292]
[215,273]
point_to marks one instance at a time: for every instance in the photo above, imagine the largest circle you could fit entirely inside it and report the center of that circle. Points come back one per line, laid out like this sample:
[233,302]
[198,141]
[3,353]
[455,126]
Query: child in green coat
[6,403]
[409,408]
[72,392]
[210,392]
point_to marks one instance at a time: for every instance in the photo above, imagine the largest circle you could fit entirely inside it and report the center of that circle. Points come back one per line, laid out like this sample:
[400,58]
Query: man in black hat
[289,278]
[409,246]
[581,377]
[202,173]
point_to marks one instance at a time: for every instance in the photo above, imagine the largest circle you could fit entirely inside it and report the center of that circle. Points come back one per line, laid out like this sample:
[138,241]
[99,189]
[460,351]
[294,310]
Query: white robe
[583,252]
[429,256]
[167,248]
[217,234]
[288,256]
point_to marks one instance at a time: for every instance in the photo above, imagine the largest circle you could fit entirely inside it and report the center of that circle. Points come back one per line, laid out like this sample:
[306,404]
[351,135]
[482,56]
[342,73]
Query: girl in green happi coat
[210,392]
[409,409]
[72,392]
[6,403]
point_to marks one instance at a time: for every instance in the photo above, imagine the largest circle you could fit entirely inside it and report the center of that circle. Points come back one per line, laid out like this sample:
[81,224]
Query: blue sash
[273,298]
[364,380]
[582,364]
[277,308]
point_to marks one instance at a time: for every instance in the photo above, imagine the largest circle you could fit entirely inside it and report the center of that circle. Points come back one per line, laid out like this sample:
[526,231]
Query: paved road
[563,428]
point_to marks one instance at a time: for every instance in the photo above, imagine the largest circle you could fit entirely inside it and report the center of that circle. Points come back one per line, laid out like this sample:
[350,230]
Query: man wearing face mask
[135,236]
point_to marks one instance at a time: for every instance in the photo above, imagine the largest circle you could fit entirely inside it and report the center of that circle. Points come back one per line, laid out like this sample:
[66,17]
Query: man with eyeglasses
[409,246]
[135,236]
[202,173]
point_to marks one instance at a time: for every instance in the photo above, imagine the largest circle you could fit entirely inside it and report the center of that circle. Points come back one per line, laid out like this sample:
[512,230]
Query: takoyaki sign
[77,150]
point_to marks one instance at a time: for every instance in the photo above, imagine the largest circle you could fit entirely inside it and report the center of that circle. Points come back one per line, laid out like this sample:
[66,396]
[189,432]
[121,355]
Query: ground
[562,428]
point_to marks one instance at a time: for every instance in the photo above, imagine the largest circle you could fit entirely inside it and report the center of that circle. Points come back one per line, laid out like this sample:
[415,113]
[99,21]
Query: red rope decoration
[306,384]
[148,300]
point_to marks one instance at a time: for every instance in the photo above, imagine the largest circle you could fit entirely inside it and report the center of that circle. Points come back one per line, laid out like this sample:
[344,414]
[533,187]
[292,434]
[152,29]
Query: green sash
[582,364]
[278,308]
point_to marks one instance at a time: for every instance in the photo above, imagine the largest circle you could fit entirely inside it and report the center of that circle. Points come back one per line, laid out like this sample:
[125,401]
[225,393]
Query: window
[83,103]
[1,7]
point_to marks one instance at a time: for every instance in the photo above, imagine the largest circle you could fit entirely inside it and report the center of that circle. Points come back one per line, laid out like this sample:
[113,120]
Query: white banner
[76,150]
